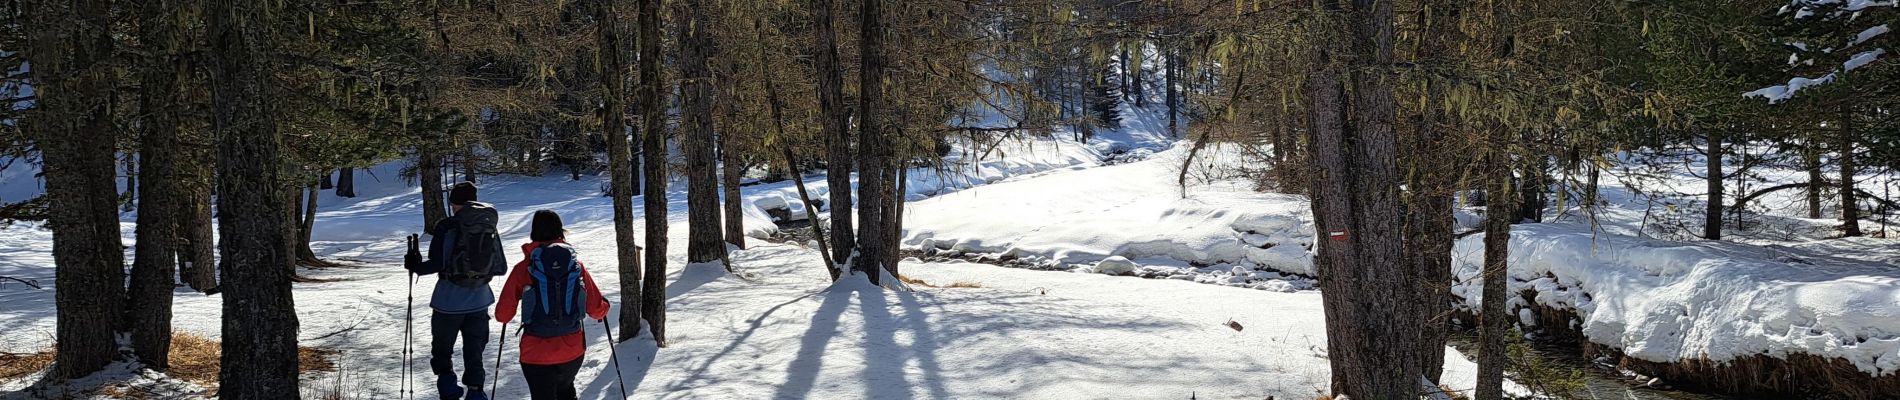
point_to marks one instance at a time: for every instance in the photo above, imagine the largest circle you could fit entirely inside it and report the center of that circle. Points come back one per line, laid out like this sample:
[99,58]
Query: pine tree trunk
[619,165]
[1494,322]
[1372,329]
[325,183]
[703,242]
[836,114]
[1850,203]
[308,224]
[1712,218]
[260,319]
[197,255]
[875,161]
[1501,210]
[1134,75]
[346,182]
[74,131]
[653,157]
[1432,180]
[149,298]
[1173,94]
[1811,160]
[730,167]
[429,174]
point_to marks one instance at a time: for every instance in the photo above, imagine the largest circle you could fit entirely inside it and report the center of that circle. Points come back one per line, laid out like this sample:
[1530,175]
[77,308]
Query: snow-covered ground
[1780,287]
[779,328]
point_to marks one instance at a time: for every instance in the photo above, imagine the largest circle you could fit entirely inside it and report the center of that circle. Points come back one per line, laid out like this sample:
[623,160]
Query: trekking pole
[409,342]
[498,349]
[615,353]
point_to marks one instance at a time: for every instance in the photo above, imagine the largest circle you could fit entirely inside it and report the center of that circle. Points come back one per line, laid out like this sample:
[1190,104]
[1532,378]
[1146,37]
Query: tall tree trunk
[70,40]
[1811,160]
[875,160]
[1494,323]
[429,173]
[1431,179]
[1850,203]
[1712,218]
[307,224]
[1134,75]
[653,198]
[1371,329]
[730,167]
[837,131]
[346,182]
[260,319]
[197,256]
[1392,320]
[149,299]
[325,183]
[619,165]
[1501,210]
[1173,94]
[703,242]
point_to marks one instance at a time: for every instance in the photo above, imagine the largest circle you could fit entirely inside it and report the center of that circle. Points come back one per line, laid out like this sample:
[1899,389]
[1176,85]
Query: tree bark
[149,298]
[730,169]
[1372,330]
[429,174]
[837,131]
[703,242]
[653,167]
[197,256]
[1850,204]
[1431,179]
[1501,210]
[346,182]
[260,319]
[1712,218]
[70,40]
[1494,322]
[619,165]
[876,167]
[1811,159]
[307,224]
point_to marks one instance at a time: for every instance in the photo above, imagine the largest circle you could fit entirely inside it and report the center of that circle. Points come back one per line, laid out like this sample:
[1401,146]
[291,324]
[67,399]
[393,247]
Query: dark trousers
[552,382]
[473,328]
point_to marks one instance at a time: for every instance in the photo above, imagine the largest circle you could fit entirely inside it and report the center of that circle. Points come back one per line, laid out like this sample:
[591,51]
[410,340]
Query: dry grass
[195,359]
[920,282]
[14,365]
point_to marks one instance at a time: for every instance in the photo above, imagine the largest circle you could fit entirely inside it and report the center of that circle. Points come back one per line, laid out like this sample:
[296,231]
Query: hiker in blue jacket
[465,254]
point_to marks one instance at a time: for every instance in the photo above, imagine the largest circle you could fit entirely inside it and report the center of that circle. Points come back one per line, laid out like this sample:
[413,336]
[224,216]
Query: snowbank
[1133,210]
[1668,301]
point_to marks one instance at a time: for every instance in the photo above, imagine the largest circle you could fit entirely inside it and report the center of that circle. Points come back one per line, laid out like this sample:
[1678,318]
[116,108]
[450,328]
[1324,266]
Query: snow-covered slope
[1133,210]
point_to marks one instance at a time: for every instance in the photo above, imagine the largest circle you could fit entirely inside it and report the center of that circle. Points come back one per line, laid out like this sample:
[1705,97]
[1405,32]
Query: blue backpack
[555,303]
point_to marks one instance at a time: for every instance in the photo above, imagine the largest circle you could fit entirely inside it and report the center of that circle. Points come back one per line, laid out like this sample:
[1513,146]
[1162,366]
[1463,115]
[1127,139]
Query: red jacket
[539,350]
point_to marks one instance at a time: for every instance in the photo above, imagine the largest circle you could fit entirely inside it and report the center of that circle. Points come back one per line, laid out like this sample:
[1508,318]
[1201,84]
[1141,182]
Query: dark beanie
[462,194]
[546,227]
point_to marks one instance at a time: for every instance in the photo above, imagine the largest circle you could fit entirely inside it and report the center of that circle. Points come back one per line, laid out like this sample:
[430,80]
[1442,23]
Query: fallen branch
[29,283]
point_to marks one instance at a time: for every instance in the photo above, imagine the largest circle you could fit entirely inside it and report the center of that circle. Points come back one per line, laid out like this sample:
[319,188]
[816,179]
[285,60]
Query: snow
[1668,301]
[1869,34]
[1115,265]
[1133,210]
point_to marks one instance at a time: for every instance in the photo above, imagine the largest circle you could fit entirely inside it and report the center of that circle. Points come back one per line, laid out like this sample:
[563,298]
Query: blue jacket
[450,298]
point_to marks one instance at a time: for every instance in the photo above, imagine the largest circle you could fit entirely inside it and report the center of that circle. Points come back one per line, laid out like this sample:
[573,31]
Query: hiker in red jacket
[551,287]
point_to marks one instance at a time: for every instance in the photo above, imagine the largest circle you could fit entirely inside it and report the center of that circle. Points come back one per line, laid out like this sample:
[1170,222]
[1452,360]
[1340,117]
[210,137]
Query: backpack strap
[540,278]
